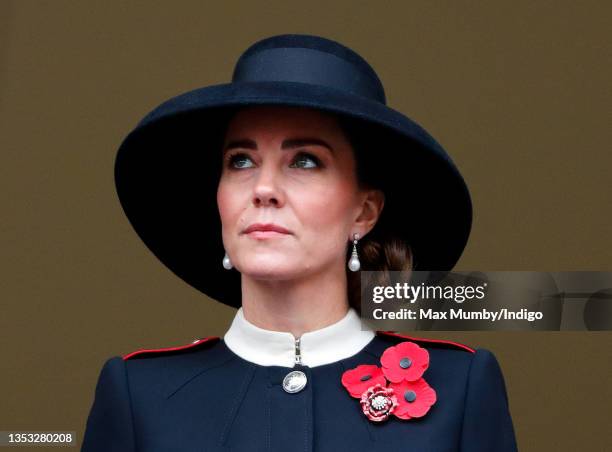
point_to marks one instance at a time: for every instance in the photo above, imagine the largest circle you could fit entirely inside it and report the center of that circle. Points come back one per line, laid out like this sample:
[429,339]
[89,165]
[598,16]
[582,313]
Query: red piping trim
[169,349]
[440,341]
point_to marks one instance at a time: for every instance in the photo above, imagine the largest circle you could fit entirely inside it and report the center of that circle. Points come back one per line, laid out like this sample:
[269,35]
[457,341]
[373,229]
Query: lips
[266,227]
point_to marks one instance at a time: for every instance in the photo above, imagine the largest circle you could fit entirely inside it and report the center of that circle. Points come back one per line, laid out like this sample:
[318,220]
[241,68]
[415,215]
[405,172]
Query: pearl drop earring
[227,263]
[354,263]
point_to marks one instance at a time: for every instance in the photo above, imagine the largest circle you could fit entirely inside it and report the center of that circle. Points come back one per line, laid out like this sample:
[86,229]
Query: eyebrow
[287,144]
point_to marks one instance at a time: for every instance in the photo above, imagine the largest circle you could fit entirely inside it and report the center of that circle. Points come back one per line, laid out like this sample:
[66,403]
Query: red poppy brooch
[398,388]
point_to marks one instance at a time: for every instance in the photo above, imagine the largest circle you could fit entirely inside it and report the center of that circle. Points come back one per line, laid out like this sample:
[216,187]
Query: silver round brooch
[294,381]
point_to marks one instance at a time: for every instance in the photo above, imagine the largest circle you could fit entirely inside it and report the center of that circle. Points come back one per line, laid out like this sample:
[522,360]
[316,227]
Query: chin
[268,268]
[270,274]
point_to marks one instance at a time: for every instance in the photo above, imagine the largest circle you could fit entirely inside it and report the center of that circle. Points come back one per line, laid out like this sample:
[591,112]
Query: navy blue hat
[167,168]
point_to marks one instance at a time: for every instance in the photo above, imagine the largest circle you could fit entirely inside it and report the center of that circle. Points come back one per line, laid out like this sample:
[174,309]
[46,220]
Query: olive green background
[517,92]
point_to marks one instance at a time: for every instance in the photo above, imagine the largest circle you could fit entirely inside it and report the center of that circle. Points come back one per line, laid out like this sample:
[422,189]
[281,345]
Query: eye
[241,160]
[306,160]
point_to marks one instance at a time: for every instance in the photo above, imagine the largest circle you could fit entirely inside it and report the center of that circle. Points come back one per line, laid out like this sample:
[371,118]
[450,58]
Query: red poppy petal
[389,357]
[392,356]
[353,381]
[423,358]
[418,354]
[354,375]
[390,365]
[418,410]
[402,414]
[425,397]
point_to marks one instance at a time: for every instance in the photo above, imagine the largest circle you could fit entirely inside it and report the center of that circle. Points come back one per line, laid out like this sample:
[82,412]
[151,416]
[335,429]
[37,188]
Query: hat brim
[167,169]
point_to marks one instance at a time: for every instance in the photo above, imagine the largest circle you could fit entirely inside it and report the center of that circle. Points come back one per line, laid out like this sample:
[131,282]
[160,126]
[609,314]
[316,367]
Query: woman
[270,194]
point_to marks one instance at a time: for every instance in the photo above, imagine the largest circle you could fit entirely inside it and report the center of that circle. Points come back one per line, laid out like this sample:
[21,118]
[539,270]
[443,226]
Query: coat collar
[332,343]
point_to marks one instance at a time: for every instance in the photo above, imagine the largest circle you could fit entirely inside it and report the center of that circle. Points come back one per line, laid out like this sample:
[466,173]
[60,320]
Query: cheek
[228,203]
[326,207]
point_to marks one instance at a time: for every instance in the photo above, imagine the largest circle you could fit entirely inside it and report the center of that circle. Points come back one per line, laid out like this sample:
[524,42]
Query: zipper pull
[298,356]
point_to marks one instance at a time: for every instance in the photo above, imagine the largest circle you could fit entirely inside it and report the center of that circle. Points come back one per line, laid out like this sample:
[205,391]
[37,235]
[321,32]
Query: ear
[371,208]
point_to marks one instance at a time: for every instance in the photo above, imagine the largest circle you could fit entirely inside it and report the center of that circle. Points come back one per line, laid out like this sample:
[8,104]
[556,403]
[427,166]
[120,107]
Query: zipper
[298,356]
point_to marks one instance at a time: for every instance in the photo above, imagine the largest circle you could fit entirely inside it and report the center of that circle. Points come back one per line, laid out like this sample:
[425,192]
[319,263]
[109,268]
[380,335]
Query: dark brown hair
[383,249]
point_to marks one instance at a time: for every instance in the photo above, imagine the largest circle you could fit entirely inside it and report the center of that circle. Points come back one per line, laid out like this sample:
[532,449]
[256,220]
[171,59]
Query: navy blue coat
[203,397]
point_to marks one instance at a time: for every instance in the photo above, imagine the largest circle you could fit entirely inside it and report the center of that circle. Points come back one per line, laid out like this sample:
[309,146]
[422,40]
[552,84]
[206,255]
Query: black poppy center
[405,363]
[410,396]
[366,377]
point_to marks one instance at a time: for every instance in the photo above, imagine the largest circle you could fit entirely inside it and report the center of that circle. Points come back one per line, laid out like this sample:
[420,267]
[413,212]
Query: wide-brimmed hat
[167,168]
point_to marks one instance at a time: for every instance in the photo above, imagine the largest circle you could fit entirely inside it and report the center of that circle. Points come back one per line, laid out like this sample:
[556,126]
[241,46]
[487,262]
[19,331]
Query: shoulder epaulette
[194,344]
[427,340]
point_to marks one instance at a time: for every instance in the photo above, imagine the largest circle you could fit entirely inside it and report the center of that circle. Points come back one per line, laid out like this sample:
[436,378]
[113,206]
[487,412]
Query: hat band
[295,64]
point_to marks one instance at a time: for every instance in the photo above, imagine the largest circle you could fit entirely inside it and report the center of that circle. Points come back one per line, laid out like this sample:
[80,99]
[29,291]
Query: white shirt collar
[332,343]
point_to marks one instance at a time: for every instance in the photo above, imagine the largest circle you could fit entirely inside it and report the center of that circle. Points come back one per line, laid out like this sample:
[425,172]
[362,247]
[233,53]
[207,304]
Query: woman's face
[292,168]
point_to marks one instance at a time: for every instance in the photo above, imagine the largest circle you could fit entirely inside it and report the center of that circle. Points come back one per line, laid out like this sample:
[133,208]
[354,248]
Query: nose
[267,191]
